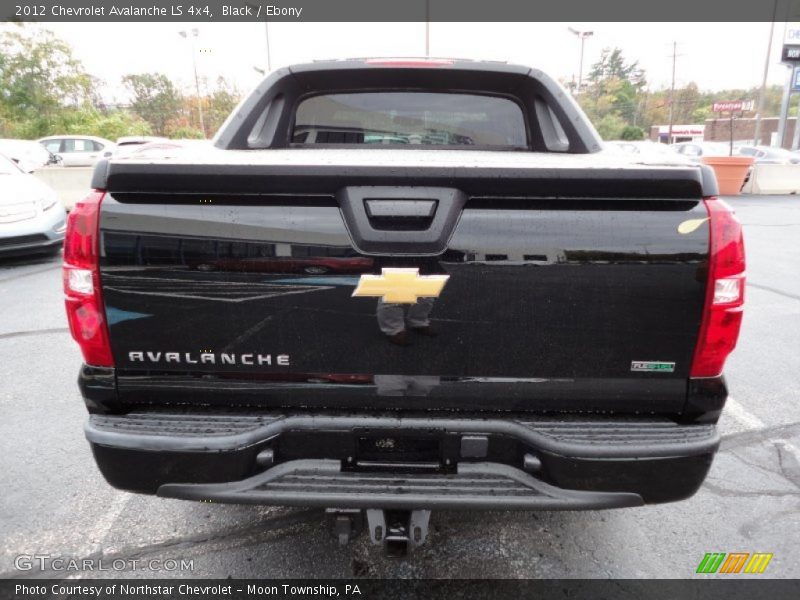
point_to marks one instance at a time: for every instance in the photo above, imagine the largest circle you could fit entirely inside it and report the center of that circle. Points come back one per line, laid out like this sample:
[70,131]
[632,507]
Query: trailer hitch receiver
[398,530]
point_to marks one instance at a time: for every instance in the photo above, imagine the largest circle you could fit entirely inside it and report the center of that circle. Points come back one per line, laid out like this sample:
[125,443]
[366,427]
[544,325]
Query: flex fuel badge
[653,366]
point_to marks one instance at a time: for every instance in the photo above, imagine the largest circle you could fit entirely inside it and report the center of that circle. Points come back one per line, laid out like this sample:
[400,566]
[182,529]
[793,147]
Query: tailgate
[567,289]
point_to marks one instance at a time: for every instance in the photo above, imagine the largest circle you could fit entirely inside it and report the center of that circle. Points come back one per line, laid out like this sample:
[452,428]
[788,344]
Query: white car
[127,145]
[78,150]
[647,150]
[32,219]
[166,148]
[769,155]
[27,154]
[694,151]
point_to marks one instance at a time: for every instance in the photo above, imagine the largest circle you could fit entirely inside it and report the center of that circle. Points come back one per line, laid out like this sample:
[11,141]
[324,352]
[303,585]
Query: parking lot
[55,502]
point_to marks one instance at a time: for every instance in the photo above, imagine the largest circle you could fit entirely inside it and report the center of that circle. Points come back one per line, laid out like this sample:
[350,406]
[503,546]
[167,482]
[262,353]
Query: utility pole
[763,93]
[582,35]
[672,94]
[191,36]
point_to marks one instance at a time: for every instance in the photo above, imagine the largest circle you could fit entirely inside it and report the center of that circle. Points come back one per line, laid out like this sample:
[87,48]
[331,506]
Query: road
[55,501]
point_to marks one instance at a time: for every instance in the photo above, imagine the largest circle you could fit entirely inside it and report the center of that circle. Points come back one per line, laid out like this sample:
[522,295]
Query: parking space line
[105,522]
[14,334]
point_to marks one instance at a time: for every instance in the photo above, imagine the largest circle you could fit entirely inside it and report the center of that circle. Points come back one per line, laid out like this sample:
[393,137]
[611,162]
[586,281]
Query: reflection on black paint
[533,294]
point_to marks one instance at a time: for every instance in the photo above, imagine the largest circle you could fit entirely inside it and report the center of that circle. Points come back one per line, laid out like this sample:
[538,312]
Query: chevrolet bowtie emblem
[401,286]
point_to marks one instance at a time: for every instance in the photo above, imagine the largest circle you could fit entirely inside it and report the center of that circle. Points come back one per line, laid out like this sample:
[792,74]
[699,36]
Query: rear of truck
[567,316]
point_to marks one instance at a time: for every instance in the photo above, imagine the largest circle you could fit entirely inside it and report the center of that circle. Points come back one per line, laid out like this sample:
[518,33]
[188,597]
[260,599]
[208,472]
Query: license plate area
[404,451]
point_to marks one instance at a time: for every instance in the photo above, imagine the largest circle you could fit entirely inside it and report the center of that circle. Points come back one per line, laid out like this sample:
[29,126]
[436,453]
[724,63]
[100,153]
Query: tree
[614,89]
[610,127]
[221,104]
[632,133]
[612,65]
[39,78]
[155,99]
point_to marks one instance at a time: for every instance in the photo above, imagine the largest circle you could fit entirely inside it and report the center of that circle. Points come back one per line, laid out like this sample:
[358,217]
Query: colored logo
[401,286]
[653,366]
[735,562]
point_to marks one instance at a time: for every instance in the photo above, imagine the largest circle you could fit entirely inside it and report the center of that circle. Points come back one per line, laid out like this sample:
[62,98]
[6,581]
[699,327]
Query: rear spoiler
[679,183]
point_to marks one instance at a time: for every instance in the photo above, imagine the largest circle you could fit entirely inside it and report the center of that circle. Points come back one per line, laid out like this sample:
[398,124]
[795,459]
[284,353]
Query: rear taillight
[722,316]
[84,299]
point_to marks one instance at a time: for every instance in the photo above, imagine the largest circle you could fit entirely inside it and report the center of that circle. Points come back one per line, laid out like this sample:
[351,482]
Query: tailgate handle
[382,208]
[407,220]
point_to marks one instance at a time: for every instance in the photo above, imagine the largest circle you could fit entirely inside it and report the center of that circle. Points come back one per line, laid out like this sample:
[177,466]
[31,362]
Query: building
[719,130]
[680,133]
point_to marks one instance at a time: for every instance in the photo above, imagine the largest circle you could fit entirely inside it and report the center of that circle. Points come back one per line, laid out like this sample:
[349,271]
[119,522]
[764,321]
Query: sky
[713,55]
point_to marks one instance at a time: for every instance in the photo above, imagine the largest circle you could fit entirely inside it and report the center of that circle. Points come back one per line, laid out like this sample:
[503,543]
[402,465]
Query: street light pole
[582,35]
[672,93]
[762,94]
[191,35]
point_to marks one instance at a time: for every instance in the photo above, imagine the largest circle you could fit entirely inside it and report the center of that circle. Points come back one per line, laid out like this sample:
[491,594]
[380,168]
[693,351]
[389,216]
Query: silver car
[32,218]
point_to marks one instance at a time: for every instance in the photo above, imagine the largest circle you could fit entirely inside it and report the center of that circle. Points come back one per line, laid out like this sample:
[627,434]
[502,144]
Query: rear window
[410,119]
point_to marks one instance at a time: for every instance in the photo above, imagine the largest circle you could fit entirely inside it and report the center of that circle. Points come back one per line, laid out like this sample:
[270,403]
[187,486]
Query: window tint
[410,118]
[53,146]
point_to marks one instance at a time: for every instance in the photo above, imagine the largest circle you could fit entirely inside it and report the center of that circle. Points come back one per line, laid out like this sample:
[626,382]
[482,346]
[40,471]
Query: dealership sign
[735,106]
[791,44]
[791,53]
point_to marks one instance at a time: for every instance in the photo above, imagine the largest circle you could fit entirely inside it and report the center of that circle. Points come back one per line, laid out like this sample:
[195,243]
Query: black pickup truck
[399,285]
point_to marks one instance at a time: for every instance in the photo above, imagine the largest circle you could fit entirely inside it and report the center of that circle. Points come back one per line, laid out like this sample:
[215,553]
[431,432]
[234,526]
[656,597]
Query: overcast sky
[714,55]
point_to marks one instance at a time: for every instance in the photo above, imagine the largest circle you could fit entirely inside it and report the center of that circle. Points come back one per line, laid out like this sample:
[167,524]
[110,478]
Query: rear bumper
[351,461]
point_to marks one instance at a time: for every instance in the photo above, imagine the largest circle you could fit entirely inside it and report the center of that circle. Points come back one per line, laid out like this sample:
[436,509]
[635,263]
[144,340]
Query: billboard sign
[733,106]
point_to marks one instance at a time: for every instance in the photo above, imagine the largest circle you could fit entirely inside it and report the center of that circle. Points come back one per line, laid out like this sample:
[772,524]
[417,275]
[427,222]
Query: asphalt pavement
[56,503]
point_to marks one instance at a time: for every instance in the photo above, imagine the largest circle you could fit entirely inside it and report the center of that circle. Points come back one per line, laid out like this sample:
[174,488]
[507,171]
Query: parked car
[28,154]
[32,219]
[769,155]
[78,150]
[647,150]
[696,150]
[128,144]
[165,148]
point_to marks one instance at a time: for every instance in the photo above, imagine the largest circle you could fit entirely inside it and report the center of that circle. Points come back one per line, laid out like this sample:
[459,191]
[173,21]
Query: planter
[730,171]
